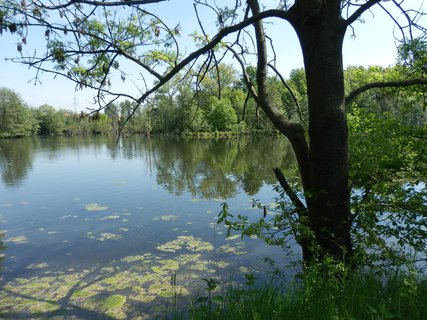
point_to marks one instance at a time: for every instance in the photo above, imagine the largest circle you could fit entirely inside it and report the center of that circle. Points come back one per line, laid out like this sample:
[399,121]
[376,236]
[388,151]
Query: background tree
[51,121]
[222,117]
[87,45]
[16,119]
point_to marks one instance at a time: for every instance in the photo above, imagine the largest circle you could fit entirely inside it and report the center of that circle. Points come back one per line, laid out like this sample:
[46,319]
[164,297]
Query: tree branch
[294,98]
[100,3]
[293,131]
[386,84]
[356,15]
[301,208]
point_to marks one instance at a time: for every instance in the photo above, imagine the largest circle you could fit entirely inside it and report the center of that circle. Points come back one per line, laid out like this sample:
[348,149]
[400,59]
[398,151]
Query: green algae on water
[110,217]
[187,243]
[18,240]
[166,218]
[114,301]
[95,207]
[103,236]
[34,266]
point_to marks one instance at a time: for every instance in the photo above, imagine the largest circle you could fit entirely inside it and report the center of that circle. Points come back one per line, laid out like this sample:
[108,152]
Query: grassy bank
[361,296]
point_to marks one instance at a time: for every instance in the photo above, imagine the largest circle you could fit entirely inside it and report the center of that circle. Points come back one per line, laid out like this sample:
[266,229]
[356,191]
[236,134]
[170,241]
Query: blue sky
[374,44]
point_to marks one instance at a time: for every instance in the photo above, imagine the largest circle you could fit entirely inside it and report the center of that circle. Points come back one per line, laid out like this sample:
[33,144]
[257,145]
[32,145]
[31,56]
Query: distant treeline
[218,103]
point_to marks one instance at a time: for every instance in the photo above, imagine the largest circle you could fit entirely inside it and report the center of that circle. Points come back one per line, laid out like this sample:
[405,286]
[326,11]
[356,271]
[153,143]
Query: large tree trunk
[321,31]
[323,162]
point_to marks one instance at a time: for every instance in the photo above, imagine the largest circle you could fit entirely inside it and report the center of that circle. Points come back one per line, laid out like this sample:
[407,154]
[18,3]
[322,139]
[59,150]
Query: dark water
[91,229]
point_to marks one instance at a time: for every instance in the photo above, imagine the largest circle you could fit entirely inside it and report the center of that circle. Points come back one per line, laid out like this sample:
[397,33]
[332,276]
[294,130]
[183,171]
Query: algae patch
[110,217]
[103,236]
[114,301]
[95,207]
[166,218]
[34,266]
[186,243]
[18,240]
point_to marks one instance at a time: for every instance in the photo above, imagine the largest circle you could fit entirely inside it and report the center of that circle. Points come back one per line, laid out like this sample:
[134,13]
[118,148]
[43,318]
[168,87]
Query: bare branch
[290,192]
[100,3]
[356,15]
[246,77]
[293,131]
[386,84]
[294,98]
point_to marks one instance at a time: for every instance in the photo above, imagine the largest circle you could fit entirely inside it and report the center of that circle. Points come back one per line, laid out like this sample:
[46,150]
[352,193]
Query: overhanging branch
[294,98]
[356,15]
[100,3]
[386,84]
[301,208]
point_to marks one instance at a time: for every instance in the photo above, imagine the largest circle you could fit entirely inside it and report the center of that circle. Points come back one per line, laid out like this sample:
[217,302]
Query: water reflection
[2,248]
[206,168]
[16,159]
[86,220]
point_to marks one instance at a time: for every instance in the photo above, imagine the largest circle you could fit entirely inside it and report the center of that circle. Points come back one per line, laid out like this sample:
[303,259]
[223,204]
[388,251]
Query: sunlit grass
[360,296]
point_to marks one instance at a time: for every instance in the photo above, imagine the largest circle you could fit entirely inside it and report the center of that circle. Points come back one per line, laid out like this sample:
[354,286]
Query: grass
[360,296]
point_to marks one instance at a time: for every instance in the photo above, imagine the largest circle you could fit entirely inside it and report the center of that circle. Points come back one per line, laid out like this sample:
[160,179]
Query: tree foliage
[16,118]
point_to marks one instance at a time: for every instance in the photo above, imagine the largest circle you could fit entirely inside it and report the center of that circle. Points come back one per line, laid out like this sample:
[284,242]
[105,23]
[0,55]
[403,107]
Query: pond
[94,229]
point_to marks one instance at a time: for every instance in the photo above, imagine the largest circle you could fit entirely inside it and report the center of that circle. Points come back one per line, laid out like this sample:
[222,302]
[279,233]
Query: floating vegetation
[244,270]
[7,205]
[95,207]
[65,217]
[42,265]
[114,301]
[237,249]
[124,229]
[18,240]
[103,236]
[139,258]
[133,285]
[236,236]
[195,200]
[110,217]
[166,218]
[186,242]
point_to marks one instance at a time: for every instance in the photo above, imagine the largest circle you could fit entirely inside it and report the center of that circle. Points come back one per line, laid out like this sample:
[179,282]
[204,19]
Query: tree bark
[321,30]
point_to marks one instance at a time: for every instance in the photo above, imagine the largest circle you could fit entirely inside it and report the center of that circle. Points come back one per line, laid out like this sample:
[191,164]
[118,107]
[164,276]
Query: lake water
[92,229]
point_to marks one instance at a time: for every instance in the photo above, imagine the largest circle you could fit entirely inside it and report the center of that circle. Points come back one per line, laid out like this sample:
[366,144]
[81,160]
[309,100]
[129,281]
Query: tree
[16,119]
[222,117]
[51,121]
[87,46]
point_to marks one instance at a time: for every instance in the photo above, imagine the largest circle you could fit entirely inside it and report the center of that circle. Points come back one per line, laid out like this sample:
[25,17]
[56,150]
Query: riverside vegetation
[357,206]
[383,286]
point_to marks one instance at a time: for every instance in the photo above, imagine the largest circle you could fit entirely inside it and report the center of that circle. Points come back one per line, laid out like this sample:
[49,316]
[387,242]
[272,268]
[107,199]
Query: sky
[373,44]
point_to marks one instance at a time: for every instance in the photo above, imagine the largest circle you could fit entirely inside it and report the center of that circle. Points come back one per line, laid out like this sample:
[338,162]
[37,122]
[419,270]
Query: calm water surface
[91,229]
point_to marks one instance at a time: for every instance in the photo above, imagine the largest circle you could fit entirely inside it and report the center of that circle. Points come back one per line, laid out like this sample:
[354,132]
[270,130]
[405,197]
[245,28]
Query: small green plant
[250,280]
[211,285]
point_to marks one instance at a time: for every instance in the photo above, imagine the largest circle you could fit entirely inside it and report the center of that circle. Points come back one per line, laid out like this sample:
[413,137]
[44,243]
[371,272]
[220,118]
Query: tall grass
[399,295]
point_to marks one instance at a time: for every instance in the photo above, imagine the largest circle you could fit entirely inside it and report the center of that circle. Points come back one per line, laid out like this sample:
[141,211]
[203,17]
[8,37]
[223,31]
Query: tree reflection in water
[208,169]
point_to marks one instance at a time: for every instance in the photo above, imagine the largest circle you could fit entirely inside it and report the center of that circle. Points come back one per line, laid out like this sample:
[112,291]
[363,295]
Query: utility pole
[75,104]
